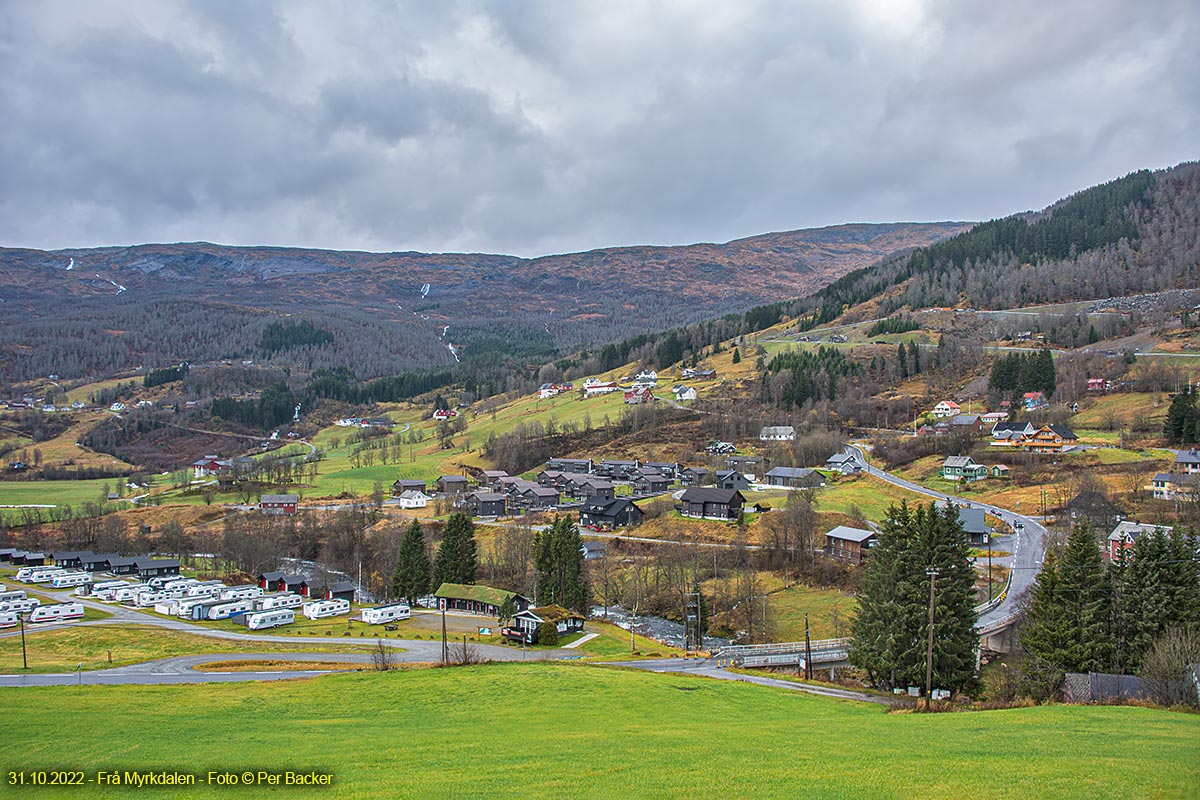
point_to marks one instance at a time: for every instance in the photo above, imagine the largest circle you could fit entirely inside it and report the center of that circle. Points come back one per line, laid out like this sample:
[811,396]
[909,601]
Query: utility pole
[932,573]
[807,649]
[988,536]
[24,654]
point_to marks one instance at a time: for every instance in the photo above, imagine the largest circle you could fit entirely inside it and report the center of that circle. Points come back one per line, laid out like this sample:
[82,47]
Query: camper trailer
[389,613]
[270,619]
[56,612]
[232,609]
[326,608]
[70,580]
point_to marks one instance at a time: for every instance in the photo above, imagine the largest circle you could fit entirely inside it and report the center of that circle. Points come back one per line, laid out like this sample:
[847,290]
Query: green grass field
[478,732]
[62,649]
[872,496]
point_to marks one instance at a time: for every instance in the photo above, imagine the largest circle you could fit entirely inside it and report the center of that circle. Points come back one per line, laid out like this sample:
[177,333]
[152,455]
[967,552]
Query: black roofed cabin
[732,479]
[70,559]
[620,512]
[155,567]
[711,503]
[452,484]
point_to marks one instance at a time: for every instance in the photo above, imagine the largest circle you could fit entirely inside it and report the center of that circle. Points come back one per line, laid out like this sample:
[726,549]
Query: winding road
[1029,542]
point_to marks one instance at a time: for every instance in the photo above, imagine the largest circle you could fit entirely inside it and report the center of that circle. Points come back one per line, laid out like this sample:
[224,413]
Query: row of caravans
[41,574]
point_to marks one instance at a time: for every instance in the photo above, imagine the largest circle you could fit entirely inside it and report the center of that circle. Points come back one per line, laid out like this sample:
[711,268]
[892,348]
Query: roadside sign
[441,604]
[485,631]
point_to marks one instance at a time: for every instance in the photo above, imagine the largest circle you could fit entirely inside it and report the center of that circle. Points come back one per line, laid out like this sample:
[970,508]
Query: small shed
[564,620]
[340,590]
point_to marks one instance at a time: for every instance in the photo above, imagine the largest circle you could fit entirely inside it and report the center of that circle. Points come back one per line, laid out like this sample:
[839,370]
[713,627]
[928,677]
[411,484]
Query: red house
[278,504]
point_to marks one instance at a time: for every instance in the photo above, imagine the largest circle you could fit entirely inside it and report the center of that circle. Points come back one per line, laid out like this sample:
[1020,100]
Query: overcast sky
[532,128]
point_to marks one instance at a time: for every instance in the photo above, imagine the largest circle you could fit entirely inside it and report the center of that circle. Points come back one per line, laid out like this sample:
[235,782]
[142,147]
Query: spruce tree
[1068,621]
[559,563]
[914,357]
[902,356]
[456,557]
[890,630]
[411,579]
[737,356]
[1159,586]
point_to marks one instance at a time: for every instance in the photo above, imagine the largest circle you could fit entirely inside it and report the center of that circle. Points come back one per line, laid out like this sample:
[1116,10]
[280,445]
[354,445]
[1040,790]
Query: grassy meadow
[62,649]
[477,732]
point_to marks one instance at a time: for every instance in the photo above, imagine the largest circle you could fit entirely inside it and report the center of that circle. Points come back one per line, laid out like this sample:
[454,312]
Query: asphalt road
[1028,544]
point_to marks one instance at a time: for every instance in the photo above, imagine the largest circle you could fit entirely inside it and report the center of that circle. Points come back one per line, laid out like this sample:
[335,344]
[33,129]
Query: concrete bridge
[828,653]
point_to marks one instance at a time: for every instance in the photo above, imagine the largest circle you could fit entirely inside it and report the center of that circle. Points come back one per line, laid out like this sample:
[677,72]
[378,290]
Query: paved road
[707,667]
[1029,543]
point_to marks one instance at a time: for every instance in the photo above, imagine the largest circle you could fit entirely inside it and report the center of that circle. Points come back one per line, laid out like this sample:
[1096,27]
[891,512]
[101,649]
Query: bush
[547,634]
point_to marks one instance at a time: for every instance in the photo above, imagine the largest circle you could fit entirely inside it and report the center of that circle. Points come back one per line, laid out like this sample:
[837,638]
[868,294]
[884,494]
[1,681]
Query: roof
[280,498]
[973,520]
[790,472]
[294,580]
[541,491]
[965,419]
[489,497]
[409,482]
[1133,530]
[1187,457]
[1164,477]
[477,593]
[707,494]
[271,577]
[450,478]
[850,534]
[609,508]
[550,613]
[411,495]
[1015,427]
[340,586]
[777,430]
[495,473]
[1063,431]
[696,470]
[839,458]
[151,563]
[949,404]
[959,461]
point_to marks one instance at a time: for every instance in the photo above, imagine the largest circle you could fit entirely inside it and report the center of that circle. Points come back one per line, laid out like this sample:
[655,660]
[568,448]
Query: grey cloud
[542,127]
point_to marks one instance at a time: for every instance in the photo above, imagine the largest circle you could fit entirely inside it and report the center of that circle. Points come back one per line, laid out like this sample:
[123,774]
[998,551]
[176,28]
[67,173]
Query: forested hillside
[88,313]
[1134,235]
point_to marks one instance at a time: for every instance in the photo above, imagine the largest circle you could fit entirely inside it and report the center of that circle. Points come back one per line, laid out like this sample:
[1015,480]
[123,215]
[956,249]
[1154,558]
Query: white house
[414,499]
[945,409]
[683,393]
[777,433]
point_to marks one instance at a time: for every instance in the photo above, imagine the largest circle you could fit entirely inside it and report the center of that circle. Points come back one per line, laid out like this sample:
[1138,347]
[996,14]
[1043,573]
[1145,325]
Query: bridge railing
[781,648]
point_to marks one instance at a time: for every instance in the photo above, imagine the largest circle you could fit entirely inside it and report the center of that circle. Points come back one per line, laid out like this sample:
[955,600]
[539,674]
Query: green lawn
[62,649]
[471,732]
[871,495]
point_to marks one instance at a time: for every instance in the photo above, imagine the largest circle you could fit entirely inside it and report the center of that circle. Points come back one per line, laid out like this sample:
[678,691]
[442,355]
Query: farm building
[278,504]
[477,599]
[453,484]
[407,485]
[777,433]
